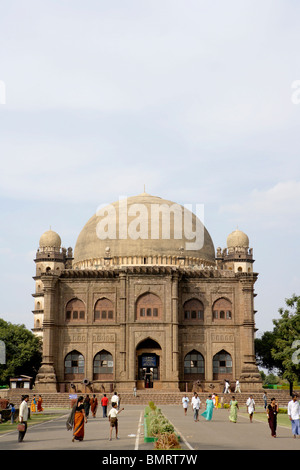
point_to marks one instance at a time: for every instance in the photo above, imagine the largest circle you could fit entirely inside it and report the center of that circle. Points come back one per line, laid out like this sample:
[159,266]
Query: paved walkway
[218,434]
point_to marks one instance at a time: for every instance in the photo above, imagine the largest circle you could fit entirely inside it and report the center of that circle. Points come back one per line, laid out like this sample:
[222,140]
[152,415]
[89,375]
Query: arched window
[103,366]
[194,364]
[74,365]
[193,310]
[75,310]
[222,310]
[104,310]
[222,365]
[148,307]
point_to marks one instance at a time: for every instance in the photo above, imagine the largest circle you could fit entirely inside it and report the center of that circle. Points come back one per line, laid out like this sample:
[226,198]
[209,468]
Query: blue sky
[191,98]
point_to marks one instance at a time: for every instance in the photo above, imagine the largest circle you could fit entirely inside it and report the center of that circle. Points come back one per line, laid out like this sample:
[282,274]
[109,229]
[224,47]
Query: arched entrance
[148,358]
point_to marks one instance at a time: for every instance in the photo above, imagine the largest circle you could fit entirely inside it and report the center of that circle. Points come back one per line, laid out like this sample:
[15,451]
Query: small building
[23,381]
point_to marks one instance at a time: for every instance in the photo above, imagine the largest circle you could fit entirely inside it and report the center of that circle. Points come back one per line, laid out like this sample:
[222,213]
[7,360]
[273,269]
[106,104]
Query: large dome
[134,231]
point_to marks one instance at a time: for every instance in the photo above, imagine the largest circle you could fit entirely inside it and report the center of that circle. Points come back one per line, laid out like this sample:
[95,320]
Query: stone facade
[164,325]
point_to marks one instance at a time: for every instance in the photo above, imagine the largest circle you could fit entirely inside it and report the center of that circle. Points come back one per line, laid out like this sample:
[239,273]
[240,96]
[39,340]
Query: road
[218,434]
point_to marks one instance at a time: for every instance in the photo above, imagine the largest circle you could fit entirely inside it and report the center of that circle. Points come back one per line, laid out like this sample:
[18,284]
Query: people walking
[196,405]
[33,405]
[237,387]
[294,415]
[208,413]
[13,412]
[87,405]
[94,405]
[226,387]
[216,401]
[77,419]
[115,399]
[23,417]
[104,403]
[250,403]
[39,404]
[272,411]
[113,419]
[185,403]
[265,399]
[234,406]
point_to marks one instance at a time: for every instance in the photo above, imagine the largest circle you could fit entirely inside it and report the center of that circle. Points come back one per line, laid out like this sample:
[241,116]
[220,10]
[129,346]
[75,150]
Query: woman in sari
[272,411]
[207,414]
[76,420]
[33,405]
[94,405]
[39,403]
[233,410]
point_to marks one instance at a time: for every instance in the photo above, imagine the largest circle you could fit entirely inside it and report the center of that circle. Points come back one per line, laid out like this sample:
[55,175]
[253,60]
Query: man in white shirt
[251,407]
[115,399]
[185,402]
[196,403]
[237,387]
[294,414]
[23,417]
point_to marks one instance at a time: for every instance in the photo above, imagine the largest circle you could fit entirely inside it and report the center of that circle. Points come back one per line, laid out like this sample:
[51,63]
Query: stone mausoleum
[143,304]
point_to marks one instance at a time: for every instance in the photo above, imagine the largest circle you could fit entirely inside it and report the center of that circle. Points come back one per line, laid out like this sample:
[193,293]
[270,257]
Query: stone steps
[62,400]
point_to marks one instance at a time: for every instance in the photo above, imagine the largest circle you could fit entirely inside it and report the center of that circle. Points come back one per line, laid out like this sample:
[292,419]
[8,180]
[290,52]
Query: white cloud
[276,207]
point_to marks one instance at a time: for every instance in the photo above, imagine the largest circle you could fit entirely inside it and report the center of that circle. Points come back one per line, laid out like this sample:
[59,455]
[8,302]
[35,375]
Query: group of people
[293,410]
[36,404]
[80,412]
[196,405]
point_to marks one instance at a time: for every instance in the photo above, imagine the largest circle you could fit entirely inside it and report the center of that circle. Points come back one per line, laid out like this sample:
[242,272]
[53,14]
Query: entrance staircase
[63,400]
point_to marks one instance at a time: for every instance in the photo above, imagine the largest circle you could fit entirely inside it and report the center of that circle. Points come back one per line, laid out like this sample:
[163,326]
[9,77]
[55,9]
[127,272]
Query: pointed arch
[222,309]
[75,310]
[104,310]
[194,366]
[74,365]
[148,307]
[222,365]
[193,309]
[103,365]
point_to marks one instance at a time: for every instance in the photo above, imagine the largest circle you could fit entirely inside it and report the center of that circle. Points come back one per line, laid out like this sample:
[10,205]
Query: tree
[287,333]
[277,349]
[263,351]
[23,351]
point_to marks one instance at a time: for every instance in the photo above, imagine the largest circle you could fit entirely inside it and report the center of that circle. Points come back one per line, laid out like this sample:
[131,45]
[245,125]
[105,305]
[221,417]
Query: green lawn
[34,419]
[282,419]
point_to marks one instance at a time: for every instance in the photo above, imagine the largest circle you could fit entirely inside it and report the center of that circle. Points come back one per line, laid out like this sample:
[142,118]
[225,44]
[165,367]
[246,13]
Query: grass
[35,418]
[282,419]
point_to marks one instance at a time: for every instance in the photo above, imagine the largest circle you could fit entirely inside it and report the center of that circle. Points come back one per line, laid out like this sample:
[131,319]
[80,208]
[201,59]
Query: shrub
[282,410]
[159,427]
[167,441]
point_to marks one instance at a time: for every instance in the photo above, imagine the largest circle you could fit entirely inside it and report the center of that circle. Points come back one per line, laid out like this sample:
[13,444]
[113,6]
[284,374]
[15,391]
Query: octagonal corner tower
[143,229]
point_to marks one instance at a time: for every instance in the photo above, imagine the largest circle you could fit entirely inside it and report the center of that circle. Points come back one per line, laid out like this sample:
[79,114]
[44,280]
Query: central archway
[148,363]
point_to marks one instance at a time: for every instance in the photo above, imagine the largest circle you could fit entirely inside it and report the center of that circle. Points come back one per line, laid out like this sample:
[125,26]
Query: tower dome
[50,240]
[143,229]
[237,238]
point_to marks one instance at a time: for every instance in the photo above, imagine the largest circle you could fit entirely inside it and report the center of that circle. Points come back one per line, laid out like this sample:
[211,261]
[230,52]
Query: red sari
[94,406]
[39,404]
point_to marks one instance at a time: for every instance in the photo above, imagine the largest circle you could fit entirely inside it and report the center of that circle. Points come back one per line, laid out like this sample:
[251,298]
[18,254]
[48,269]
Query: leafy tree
[287,332]
[277,349]
[263,351]
[23,351]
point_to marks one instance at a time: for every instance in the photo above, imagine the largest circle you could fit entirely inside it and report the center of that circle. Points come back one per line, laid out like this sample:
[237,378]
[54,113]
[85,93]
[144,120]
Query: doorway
[148,355]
